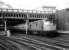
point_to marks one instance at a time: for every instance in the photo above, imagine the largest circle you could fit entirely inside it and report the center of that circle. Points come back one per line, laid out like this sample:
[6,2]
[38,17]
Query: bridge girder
[25,14]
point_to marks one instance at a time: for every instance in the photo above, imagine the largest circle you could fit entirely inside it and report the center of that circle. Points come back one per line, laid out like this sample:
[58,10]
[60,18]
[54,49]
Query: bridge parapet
[25,14]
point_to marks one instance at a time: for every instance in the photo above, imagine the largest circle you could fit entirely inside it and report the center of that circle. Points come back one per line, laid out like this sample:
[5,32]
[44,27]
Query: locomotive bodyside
[42,27]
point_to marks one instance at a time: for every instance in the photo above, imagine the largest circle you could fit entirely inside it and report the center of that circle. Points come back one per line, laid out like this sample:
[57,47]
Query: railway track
[7,45]
[27,43]
[16,45]
[38,44]
[62,41]
[34,43]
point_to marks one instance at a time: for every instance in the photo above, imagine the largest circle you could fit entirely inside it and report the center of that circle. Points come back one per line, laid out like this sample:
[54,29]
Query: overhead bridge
[25,14]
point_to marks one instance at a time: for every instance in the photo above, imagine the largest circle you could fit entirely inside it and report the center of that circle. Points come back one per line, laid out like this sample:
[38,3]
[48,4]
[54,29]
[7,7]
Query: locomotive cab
[43,27]
[50,29]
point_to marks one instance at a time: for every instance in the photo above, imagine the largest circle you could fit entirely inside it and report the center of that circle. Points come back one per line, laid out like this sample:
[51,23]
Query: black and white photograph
[34,24]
